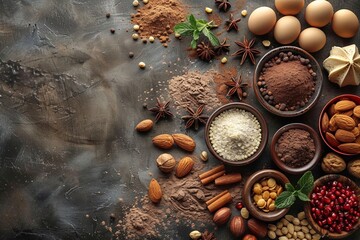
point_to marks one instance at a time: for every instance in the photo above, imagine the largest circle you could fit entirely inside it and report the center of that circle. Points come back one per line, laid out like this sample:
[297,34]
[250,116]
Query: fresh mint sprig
[302,190]
[194,27]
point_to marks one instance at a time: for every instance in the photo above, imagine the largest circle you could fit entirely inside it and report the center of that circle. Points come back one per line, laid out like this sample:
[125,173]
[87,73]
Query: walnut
[354,168]
[333,163]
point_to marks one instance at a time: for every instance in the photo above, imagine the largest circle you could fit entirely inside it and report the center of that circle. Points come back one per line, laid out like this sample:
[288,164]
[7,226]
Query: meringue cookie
[343,65]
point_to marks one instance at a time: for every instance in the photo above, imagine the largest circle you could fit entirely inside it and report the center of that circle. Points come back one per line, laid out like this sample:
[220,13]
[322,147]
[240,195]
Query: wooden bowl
[326,108]
[247,195]
[309,165]
[316,67]
[264,133]
[320,182]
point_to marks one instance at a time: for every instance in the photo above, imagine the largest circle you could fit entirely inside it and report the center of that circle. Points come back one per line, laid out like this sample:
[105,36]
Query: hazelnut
[237,226]
[333,163]
[166,162]
[354,168]
[222,216]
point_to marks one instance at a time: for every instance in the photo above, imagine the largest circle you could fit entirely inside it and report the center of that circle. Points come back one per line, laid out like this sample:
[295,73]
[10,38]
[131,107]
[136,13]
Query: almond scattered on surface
[155,193]
[164,141]
[184,141]
[144,125]
[184,167]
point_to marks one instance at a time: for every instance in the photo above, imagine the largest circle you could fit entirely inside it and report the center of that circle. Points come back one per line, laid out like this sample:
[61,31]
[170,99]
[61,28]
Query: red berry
[239,205]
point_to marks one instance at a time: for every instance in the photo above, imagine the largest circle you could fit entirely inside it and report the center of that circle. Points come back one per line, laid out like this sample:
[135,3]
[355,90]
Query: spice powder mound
[235,134]
[158,18]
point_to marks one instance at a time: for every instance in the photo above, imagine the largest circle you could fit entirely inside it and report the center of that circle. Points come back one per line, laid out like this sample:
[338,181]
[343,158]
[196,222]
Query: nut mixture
[265,193]
[291,227]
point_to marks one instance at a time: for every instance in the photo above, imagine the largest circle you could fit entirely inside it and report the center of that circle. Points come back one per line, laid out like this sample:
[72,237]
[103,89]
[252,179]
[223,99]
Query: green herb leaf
[196,35]
[192,21]
[193,44]
[306,183]
[289,187]
[212,38]
[302,196]
[184,29]
[285,199]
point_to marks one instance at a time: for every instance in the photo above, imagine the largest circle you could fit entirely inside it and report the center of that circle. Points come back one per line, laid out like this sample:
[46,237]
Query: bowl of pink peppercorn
[334,207]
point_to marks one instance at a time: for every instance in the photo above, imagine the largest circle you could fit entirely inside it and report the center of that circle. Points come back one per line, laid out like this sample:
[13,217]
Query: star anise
[222,47]
[232,23]
[236,86]
[223,5]
[208,236]
[195,117]
[161,109]
[205,51]
[246,50]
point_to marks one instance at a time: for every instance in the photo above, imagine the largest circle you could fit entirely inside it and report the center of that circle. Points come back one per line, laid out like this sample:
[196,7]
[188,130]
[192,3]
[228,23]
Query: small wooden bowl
[351,97]
[320,182]
[281,164]
[316,67]
[247,195]
[264,133]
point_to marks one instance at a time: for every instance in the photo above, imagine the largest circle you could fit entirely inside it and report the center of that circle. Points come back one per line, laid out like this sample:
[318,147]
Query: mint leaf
[212,38]
[196,35]
[193,44]
[303,197]
[192,21]
[285,200]
[184,29]
[306,183]
[289,187]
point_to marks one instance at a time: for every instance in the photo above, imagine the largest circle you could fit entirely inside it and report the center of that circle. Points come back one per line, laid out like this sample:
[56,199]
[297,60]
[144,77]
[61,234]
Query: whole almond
[344,122]
[237,226]
[144,125]
[344,136]
[331,110]
[347,113]
[257,227]
[356,111]
[164,141]
[332,124]
[330,138]
[222,216]
[357,140]
[184,141]
[184,167]
[155,192]
[356,131]
[353,148]
[324,122]
[344,105]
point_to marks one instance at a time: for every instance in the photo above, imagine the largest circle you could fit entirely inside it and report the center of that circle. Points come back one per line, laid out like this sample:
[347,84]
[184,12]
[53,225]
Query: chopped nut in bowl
[260,192]
[236,134]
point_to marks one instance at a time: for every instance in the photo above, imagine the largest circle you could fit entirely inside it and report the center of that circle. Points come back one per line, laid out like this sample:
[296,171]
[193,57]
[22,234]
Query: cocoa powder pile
[183,202]
[158,18]
[295,148]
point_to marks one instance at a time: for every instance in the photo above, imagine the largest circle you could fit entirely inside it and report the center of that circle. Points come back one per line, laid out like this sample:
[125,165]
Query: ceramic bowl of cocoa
[260,192]
[334,207]
[236,134]
[287,81]
[339,124]
[296,148]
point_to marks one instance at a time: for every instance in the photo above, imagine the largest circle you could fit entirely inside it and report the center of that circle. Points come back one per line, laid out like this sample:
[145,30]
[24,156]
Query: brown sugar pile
[158,18]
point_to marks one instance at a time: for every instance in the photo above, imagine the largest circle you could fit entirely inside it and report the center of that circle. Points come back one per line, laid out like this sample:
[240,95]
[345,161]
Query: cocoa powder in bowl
[287,81]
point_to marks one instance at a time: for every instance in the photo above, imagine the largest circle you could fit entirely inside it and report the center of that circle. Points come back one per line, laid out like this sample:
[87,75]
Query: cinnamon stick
[212,178]
[216,197]
[228,179]
[220,202]
[212,171]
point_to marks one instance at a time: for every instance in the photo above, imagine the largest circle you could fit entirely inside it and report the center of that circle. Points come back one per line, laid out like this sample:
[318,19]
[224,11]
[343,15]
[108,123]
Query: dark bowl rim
[316,227]
[247,195]
[318,86]
[264,133]
[309,165]
[324,109]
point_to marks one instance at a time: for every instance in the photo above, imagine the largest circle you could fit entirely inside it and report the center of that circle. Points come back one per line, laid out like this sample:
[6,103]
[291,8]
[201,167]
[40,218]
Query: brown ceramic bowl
[316,67]
[264,133]
[326,108]
[310,164]
[320,182]
[247,195]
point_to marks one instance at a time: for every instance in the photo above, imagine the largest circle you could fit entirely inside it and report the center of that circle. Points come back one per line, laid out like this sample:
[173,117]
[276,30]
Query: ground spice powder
[295,148]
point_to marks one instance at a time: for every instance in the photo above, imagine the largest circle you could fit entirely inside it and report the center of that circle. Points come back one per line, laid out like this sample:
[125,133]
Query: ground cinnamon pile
[158,18]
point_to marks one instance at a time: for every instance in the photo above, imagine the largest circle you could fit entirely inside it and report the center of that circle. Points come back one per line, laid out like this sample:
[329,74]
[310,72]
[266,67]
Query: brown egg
[312,39]
[287,29]
[345,23]
[319,13]
[291,7]
[262,20]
